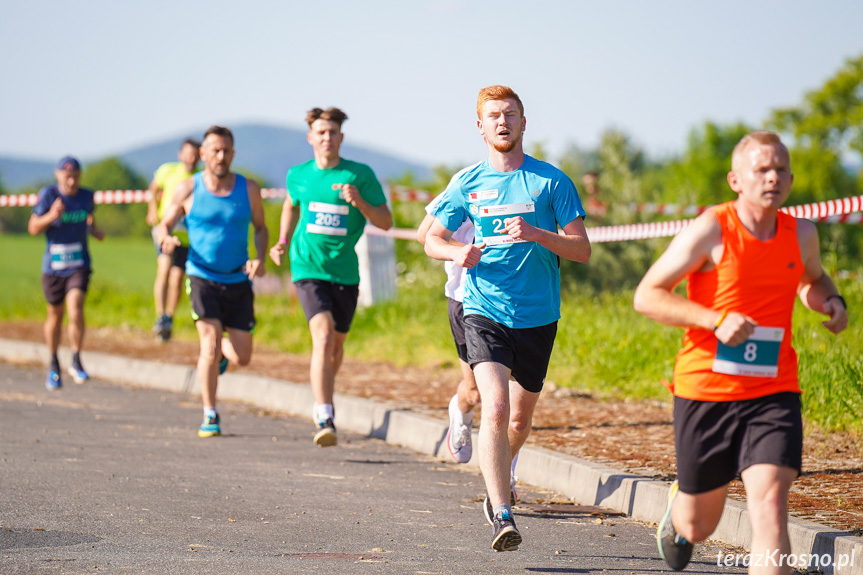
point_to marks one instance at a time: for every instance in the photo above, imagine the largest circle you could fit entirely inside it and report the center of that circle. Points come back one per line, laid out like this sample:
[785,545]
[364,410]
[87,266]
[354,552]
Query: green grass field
[603,346]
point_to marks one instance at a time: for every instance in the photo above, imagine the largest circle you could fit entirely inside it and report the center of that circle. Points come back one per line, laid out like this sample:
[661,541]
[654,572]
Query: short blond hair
[760,137]
[497,92]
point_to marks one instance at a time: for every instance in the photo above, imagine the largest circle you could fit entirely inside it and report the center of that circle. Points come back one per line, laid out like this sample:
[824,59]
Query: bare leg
[322,370]
[175,287]
[494,452]
[695,517]
[522,404]
[163,266]
[468,392]
[237,347]
[210,335]
[75,305]
[53,328]
[767,489]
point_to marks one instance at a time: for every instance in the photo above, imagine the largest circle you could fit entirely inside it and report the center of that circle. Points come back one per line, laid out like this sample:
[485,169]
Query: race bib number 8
[492,223]
[329,219]
[758,356]
[66,256]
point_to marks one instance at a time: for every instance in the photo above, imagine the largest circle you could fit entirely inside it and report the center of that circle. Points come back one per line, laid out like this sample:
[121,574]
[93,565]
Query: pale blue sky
[96,76]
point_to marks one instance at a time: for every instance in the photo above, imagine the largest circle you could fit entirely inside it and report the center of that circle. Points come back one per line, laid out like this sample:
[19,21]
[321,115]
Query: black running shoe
[489,512]
[505,535]
[674,549]
[326,435]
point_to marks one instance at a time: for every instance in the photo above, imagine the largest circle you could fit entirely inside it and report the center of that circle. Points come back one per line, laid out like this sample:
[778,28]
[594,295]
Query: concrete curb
[587,483]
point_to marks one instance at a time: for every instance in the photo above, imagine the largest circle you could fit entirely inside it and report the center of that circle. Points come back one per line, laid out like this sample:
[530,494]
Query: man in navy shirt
[64,212]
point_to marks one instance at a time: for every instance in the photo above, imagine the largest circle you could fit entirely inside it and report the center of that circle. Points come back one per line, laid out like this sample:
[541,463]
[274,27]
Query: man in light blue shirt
[512,290]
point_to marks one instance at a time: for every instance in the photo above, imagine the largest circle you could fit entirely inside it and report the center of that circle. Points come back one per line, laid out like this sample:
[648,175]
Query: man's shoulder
[467,174]
[301,169]
[357,168]
[50,190]
[543,169]
[169,167]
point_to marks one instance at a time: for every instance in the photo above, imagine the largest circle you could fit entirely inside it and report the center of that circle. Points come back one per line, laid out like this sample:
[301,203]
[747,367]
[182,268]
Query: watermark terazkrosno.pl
[776,559]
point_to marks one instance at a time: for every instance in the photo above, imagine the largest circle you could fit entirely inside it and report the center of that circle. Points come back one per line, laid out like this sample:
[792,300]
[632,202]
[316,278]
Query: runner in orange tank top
[737,398]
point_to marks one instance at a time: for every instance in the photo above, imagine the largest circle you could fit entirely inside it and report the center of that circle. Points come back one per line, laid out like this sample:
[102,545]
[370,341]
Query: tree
[825,128]
[122,219]
[698,177]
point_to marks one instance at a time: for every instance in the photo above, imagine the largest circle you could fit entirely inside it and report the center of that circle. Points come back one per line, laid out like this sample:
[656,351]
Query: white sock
[512,469]
[324,412]
[210,410]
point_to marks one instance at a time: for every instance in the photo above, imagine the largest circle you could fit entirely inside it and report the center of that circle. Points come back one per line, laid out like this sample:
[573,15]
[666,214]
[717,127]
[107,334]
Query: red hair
[497,92]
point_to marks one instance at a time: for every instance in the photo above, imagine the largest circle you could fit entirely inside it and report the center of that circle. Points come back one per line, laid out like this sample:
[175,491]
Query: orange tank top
[756,278]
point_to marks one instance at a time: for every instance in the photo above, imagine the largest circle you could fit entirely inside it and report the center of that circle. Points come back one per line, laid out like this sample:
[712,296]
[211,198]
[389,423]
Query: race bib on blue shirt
[492,224]
[66,256]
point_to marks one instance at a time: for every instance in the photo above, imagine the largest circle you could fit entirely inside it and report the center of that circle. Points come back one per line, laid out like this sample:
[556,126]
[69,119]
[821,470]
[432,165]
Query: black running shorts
[456,325]
[55,288]
[231,304]
[318,296]
[717,440]
[526,351]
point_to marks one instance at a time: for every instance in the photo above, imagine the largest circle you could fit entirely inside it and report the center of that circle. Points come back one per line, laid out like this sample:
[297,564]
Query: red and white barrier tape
[405,194]
[121,196]
[845,210]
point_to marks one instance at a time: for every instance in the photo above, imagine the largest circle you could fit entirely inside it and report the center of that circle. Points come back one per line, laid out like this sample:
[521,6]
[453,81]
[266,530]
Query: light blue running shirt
[516,284]
[219,233]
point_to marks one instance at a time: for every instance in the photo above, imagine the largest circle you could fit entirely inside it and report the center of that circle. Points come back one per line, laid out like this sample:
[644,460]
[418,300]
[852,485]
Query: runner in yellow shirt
[170,268]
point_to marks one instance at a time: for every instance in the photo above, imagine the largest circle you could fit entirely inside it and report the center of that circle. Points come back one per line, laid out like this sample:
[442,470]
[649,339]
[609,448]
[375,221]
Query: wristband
[719,321]
[839,297]
[283,241]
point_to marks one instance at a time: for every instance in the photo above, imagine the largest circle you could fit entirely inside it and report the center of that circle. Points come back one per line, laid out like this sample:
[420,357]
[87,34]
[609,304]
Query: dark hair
[192,142]
[331,114]
[219,131]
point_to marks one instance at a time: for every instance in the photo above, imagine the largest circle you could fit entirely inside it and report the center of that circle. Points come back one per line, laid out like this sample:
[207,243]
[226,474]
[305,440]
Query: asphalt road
[100,478]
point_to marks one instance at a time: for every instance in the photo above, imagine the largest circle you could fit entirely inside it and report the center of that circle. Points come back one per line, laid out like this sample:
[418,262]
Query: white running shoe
[458,436]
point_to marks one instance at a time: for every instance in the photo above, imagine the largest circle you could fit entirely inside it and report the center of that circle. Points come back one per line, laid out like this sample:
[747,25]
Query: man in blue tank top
[512,289]
[64,212]
[219,206]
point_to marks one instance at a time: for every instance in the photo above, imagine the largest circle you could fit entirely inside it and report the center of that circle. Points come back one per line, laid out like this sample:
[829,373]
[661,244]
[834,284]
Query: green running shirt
[322,247]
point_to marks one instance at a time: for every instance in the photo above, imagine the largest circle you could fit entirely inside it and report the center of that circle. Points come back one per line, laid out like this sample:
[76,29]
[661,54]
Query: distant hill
[266,150]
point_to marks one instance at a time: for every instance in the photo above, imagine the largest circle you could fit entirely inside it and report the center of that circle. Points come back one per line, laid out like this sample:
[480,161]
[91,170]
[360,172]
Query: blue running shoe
[210,426]
[53,380]
[223,365]
[78,374]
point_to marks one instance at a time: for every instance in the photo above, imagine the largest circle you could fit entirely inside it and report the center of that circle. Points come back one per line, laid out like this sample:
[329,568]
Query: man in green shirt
[329,200]
[170,268]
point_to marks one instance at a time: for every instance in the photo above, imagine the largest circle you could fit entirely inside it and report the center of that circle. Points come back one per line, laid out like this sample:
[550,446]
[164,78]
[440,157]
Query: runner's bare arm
[424,228]
[94,230]
[379,216]
[180,202]
[38,224]
[816,287]
[255,266]
[153,204]
[287,224]
[439,247]
[571,245]
[690,251]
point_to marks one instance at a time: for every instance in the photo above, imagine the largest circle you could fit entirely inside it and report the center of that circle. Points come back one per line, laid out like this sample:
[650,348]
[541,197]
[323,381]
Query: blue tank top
[219,233]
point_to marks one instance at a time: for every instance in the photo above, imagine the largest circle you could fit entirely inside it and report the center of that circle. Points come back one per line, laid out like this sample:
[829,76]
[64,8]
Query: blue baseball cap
[69,163]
